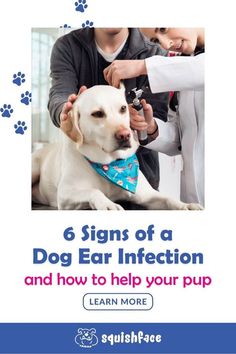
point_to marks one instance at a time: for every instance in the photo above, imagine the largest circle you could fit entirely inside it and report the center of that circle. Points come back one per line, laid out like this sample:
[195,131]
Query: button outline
[136,309]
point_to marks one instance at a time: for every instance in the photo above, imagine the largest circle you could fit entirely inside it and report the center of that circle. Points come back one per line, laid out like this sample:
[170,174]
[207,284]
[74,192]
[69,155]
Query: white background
[211,232]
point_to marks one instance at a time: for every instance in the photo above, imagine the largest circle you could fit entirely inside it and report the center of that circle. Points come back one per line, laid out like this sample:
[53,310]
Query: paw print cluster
[81,6]
[6,109]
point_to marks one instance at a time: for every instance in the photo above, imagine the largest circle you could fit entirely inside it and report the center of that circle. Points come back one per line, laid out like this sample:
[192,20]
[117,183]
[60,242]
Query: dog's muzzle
[122,137]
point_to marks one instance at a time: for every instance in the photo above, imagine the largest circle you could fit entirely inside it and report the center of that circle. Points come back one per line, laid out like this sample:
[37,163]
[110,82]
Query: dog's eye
[98,114]
[123,109]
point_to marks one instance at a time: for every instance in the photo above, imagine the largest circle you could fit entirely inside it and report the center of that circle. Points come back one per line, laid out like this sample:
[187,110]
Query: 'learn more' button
[118,301]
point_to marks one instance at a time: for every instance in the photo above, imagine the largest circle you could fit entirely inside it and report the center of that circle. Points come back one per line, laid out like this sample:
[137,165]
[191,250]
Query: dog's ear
[71,126]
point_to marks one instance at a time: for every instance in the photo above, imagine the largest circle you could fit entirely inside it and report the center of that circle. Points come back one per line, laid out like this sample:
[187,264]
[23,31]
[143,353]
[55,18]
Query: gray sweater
[74,62]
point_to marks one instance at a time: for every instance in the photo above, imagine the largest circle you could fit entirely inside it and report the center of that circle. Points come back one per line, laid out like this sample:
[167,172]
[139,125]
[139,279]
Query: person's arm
[176,73]
[124,69]
[168,139]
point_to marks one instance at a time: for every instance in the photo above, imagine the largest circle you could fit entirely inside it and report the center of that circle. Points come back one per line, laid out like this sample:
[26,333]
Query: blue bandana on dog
[123,172]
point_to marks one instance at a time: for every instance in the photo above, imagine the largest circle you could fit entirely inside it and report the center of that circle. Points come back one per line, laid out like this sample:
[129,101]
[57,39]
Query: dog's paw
[194,206]
[177,205]
[105,205]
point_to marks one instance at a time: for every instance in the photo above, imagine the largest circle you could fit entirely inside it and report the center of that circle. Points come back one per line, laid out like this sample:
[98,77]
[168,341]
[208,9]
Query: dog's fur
[62,176]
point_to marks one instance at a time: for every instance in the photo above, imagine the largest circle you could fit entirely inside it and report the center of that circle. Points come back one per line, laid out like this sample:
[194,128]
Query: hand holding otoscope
[136,104]
[146,127]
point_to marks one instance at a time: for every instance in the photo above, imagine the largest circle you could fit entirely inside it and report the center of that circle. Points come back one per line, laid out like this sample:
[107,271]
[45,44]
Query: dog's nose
[122,135]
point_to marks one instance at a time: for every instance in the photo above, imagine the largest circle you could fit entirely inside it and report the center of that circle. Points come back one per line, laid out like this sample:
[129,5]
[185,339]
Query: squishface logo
[131,338]
[86,338]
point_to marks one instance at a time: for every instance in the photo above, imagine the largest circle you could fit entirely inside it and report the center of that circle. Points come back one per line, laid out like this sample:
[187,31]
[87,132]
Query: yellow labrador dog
[99,166]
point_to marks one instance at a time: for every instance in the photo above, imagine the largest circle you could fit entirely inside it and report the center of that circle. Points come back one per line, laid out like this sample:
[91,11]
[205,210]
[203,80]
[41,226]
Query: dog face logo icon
[86,338]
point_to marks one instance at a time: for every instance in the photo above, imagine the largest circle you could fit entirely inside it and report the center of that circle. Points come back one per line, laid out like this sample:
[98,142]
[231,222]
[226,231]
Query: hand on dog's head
[66,123]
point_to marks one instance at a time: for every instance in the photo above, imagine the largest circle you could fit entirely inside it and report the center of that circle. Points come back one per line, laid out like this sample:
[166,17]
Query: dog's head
[86,334]
[100,117]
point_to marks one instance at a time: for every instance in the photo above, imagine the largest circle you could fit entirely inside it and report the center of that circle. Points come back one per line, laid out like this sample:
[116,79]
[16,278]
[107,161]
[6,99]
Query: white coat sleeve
[175,73]
[168,140]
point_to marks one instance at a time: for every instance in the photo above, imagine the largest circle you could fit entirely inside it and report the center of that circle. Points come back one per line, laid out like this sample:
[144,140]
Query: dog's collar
[122,172]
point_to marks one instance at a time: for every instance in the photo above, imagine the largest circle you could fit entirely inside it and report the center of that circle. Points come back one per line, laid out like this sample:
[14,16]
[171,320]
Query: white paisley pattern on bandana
[121,172]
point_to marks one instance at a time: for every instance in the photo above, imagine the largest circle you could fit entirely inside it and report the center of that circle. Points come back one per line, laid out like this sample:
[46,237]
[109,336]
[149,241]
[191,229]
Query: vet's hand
[123,69]
[65,121]
[139,122]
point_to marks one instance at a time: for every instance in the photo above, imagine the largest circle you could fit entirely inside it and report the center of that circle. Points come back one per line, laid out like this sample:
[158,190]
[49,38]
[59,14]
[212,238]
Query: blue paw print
[20,127]
[26,98]
[80,5]
[6,111]
[65,26]
[87,24]
[18,78]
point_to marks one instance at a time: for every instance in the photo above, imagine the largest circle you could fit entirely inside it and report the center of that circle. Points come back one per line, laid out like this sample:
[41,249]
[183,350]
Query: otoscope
[135,95]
